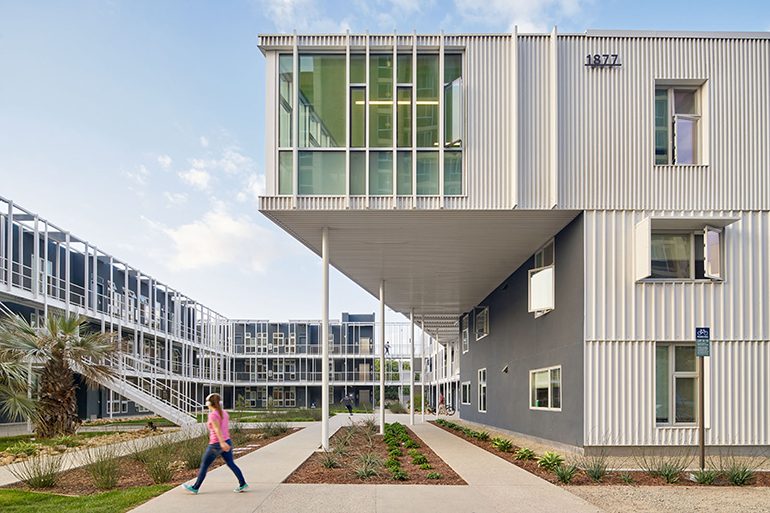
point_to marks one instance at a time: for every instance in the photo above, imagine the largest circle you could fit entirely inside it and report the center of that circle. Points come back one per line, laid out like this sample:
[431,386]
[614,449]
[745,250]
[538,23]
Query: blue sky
[138,125]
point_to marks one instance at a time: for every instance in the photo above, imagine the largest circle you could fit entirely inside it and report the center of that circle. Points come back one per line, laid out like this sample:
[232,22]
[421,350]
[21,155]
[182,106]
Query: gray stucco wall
[524,343]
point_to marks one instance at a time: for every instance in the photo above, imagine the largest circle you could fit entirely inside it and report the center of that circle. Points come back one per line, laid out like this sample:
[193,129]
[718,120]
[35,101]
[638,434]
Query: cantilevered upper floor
[599,120]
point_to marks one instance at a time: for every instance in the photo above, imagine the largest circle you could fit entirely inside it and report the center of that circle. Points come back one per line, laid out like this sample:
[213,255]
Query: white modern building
[175,350]
[562,211]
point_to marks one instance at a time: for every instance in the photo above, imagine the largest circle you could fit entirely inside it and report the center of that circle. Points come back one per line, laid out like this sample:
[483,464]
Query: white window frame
[711,271]
[481,310]
[261,343]
[550,388]
[465,332]
[671,378]
[465,392]
[482,385]
[541,270]
[672,118]
[278,340]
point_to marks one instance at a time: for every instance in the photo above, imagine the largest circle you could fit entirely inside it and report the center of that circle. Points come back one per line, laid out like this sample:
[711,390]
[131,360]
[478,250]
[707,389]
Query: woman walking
[219,445]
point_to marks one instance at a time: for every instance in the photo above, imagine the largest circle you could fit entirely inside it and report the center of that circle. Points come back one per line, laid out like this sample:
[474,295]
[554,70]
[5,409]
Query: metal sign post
[702,349]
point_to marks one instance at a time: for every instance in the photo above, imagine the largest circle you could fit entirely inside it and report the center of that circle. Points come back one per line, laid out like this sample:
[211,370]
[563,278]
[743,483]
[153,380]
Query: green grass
[8,441]
[18,501]
[158,421]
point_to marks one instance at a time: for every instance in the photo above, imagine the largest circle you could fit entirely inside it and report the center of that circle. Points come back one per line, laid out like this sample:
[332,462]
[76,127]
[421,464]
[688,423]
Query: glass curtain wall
[412,94]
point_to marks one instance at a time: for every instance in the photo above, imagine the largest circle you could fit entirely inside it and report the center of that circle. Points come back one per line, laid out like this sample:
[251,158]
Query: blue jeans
[212,451]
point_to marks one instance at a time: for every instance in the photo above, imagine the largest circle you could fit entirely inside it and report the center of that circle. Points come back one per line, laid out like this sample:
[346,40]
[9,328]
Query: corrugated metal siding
[606,119]
[620,395]
[534,114]
[618,308]
[488,91]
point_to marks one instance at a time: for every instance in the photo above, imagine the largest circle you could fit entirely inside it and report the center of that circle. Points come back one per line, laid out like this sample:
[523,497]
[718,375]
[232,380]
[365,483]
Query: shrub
[399,475]
[705,477]
[739,474]
[413,452]
[23,448]
[565,473]
[140,449]
[392,463]
[273,429]
[192,451]
[502,444]
[158,463]
[595,466]
[237,434]
[369,424]
[328,460]
[39,472]
[66,440]
[669,471]
[397,408]
[525,454]
[433,475]
[549,461]
[626,477]
[103,466]
[371,459]
[420,459]
[411,444]
[426,466]
[395,452]
[481,435]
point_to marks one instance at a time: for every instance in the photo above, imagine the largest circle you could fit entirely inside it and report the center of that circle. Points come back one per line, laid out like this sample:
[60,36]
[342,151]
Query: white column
[411,371]
[422,365]
[325,341]
[382,357]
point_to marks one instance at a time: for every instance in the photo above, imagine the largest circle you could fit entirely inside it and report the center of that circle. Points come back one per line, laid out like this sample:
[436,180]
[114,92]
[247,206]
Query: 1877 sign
[602,60]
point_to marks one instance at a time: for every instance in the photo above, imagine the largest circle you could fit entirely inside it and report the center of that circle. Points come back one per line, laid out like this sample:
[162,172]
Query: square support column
[411,369]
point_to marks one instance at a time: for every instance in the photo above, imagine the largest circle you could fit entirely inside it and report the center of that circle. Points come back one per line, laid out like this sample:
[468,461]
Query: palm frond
[14,403]
[20,341]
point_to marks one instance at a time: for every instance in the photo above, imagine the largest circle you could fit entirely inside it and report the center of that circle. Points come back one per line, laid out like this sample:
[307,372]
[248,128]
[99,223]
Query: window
[541,284]
[386,111]
[482,390]
[465,397]
[545,389]
[676,384]
[464,333]
[679,248]
[481,322]
[321,99]
[677,125]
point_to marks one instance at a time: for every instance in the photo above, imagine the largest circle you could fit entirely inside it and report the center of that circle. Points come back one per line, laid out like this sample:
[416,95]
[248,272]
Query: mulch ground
[313,471]
[133,473]
[638,478]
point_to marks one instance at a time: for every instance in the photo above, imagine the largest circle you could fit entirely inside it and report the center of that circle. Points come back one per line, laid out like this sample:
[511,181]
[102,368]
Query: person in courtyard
[219,445]
[348,402]
[387,347]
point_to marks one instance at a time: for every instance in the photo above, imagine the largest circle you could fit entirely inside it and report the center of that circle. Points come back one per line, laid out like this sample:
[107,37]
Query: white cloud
[302,15]
[253,189]
[139,175]
[195,177]
[164,161]
[175,198]
[528,15]
[204,141]
[218,238]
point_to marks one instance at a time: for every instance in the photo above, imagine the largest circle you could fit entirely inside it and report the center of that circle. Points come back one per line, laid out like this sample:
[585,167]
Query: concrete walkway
[494,485]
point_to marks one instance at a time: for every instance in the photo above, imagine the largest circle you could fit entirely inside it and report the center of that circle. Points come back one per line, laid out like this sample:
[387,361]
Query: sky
[139,125]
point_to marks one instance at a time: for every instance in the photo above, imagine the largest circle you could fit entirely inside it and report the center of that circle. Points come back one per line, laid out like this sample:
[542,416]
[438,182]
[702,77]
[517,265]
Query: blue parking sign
[702,341]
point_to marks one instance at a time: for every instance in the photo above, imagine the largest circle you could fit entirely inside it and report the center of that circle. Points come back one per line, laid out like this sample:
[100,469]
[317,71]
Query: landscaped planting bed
[593,470]
[162,463]
[14,449]
[358,454]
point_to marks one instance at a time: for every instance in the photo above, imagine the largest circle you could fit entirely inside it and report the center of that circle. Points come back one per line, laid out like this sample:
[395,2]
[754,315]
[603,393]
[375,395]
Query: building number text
[602,60]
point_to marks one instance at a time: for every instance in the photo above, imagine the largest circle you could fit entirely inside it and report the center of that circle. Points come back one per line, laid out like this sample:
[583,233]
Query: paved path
[494,485]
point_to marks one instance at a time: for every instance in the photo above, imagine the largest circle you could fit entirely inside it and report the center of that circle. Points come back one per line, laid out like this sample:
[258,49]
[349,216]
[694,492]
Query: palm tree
[57,350]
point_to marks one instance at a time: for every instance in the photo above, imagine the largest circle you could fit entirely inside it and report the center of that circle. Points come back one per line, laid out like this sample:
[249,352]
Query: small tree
[61,346]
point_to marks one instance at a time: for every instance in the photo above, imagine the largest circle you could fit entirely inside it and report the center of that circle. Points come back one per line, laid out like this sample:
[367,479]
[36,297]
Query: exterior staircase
[143,383]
